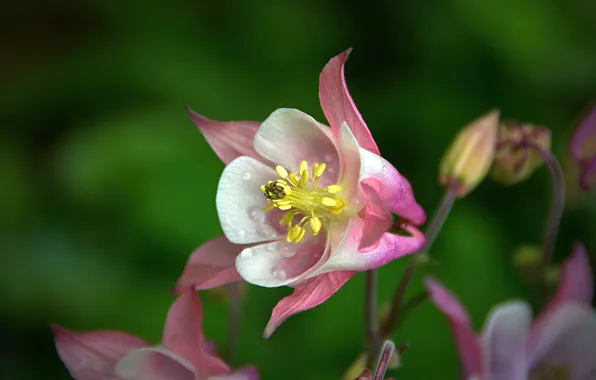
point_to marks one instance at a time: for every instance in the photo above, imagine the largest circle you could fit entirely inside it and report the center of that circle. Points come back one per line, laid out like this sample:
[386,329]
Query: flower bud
[515,159]
[470,155]
[527,257]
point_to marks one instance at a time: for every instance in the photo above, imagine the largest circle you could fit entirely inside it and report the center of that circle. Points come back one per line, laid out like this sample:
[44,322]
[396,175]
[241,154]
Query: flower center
[294,194]
[551,372]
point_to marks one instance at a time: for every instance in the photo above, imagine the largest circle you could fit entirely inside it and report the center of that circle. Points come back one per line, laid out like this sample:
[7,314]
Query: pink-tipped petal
[583,142]
[228,139]
[576,282]
[567,339]
[395,191]
[239,202]
[337,104]
[93,355]
[289,136]
[156,363]
[467,343]
[211,265]
[281,263]
[377,219]
[504,341]
[183,336]
[306,295]
[246,373]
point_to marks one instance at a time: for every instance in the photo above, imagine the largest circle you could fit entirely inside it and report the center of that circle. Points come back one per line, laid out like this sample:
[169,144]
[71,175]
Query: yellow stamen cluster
[293,194]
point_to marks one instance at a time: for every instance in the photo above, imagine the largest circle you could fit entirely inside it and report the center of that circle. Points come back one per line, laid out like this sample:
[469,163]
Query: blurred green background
[107,186]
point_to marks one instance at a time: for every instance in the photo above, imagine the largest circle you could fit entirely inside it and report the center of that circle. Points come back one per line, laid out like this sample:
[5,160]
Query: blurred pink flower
[559,344]
[583,149]
[183,353]
[302,204]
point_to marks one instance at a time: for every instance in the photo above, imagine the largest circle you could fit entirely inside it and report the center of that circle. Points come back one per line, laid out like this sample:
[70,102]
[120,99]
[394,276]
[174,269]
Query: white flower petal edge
[504,341]
[289,136]
[138,365]
[239,202]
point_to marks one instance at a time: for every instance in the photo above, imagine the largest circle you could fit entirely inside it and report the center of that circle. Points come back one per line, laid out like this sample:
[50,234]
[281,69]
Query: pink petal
[338,105]
[365,375]
[377,219]
[468,345]
[93,355]
[183,336]
[246,373]
[289,136]
[504,341]
[568,337]
[395,191]
[583,142]
[156,363]
[229,139]
[211,265]
[308,294]
[239,202]
[281,263]
[587,177]
[347,256]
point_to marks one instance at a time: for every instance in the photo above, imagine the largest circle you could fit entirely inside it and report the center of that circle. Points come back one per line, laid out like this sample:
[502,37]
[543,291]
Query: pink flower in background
[302,204]
[182,355]
[583,149]
[559,344]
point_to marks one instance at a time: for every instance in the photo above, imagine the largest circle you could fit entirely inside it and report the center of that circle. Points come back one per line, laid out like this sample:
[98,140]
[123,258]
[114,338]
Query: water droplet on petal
[256,214]
[385,169]
[241,234]
[280,274]
[271,248]
[286,249]
[266,231]
[246,176]
[246,254]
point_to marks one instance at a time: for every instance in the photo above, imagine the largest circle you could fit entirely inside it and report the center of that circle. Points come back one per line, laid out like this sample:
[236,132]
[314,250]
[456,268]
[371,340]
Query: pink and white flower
[302,204]
[583,149]
[183,353]
[559,345]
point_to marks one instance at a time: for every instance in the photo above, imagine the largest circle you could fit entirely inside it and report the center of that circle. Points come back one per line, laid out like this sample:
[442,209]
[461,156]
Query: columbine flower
[559,345]
[306,205]
[182,355]
[583,149]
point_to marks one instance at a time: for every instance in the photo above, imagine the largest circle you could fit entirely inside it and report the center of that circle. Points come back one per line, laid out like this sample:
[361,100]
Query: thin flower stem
[431,233]
[557,203]
[386,353]
[370,315]
[234,300]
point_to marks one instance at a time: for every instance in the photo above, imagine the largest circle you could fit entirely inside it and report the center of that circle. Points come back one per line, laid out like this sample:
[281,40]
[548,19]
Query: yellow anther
[334,189]
[330,202]
[262,188]
[315,225]
[300,235]
[303,168]
[316,173]
[294,233]
[268,207]
[283,173]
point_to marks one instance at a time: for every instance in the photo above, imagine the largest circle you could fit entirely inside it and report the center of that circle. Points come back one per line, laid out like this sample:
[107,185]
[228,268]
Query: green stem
[370,316]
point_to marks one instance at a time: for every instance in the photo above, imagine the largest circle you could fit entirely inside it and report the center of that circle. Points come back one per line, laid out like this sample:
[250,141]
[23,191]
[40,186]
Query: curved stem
[431,233]
[233,319]
[557,203]
[370,316]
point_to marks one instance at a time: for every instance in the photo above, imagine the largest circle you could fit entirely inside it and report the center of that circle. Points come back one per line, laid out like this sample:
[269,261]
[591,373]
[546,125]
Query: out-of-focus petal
[568,340]
[467,343]
[246,373]
[504,341]
[365,375]
[587,177]
[228,139]
[289,136]
[183,336]
[583,141]
[306,295]
[211,265]
[395,191]
[156,363]
[338,105]
[93,355]
[281,263]
[240,202]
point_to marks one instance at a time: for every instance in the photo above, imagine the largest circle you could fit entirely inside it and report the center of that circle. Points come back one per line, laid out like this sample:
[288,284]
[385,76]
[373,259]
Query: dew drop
[246,176]
[271,248]
[241,234]
[266,231]
[279,274]
[286,249]
[385,169]
[256,214]
[246,254]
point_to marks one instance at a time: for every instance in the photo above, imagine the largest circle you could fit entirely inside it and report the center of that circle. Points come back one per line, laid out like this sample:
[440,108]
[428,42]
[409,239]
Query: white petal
[289,136]
[281,263]
[504,341]
[567,336]
[240,201]
[350,175]
[156,363]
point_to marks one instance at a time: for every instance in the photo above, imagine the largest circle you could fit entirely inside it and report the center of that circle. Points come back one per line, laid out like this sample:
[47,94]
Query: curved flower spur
[302,204]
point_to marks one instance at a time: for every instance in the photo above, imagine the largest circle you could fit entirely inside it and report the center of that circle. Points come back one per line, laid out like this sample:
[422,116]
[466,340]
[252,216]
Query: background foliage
[107,187]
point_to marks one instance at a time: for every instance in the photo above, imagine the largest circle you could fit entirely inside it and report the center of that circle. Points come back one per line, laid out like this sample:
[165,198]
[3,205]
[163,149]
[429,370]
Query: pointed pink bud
[228,139]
